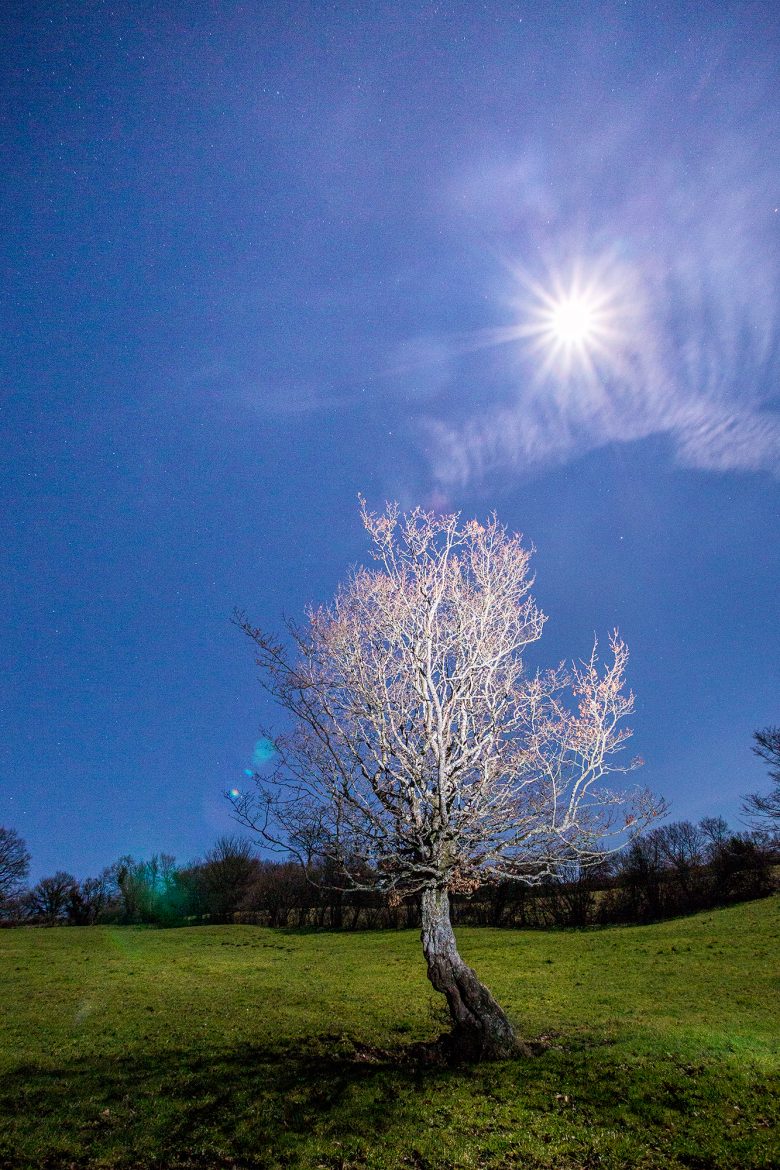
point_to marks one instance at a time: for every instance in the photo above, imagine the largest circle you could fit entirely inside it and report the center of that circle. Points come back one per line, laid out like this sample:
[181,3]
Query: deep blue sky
[260,257]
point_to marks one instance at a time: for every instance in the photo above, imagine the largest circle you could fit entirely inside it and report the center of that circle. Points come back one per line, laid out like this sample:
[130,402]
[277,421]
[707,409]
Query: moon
[573,322]
[573,326]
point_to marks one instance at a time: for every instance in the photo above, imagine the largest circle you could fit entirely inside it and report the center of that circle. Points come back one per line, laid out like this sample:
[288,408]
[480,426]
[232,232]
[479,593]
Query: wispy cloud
[686,235]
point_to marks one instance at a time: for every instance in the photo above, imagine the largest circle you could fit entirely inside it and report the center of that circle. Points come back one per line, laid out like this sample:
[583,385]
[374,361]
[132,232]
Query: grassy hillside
[243,1046]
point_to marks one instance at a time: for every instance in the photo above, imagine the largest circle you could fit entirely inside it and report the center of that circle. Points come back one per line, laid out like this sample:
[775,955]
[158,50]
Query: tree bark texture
[481,1030]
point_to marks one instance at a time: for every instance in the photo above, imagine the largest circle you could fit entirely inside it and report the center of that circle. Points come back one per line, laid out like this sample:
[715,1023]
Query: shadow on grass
[247,1106]
[315,1103]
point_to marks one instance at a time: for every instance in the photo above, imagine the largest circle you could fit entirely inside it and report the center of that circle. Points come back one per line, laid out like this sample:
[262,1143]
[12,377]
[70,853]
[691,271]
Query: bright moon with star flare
[576,328]
[572,327]
[572,322]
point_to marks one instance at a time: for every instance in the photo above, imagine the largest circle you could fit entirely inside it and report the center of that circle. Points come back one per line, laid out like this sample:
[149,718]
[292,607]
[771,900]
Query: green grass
[243,1046]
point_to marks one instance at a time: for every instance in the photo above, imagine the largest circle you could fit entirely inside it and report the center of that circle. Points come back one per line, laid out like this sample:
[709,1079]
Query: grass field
[242,1046]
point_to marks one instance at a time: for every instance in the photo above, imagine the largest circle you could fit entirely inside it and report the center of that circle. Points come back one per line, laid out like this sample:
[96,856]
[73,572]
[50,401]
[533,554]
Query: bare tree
[147,889]
[225,875]
[277,891]
[88,899]
[50,899]
[760,807]
[14,862]
[714,830]
[423,758]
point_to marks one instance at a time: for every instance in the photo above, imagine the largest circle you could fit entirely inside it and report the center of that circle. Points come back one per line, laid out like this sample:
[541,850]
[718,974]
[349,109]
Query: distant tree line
[674,869]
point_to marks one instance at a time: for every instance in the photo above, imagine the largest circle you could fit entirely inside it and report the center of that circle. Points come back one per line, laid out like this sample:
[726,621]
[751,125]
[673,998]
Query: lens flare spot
[234,792]
[264,751]
[248,772]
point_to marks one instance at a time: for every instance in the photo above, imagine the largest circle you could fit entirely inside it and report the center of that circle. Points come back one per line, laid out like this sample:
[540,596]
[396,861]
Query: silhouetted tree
[49,900]
[14,863]
[741,867]
[765,807]
[714,830]
[277,891]
[640,872]
[89,899]
[225,875]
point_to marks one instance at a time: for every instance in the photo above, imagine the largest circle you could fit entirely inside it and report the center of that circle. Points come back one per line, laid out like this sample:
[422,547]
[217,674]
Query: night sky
[260,257]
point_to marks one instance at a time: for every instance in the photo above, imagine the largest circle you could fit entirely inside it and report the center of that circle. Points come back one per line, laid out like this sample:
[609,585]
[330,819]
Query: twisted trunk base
[481,1030]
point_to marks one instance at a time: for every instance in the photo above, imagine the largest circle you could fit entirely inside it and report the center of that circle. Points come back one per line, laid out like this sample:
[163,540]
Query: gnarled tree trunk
[481,1030]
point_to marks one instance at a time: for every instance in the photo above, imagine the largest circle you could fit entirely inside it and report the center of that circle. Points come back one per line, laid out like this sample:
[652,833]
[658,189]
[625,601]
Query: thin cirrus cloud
[678,251]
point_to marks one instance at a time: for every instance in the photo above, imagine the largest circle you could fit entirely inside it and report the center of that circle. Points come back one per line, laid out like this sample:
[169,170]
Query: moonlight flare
[572,322]
[573,328]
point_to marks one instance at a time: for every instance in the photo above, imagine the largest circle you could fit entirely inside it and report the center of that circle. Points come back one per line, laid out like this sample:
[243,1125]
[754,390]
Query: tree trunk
[481,1031]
